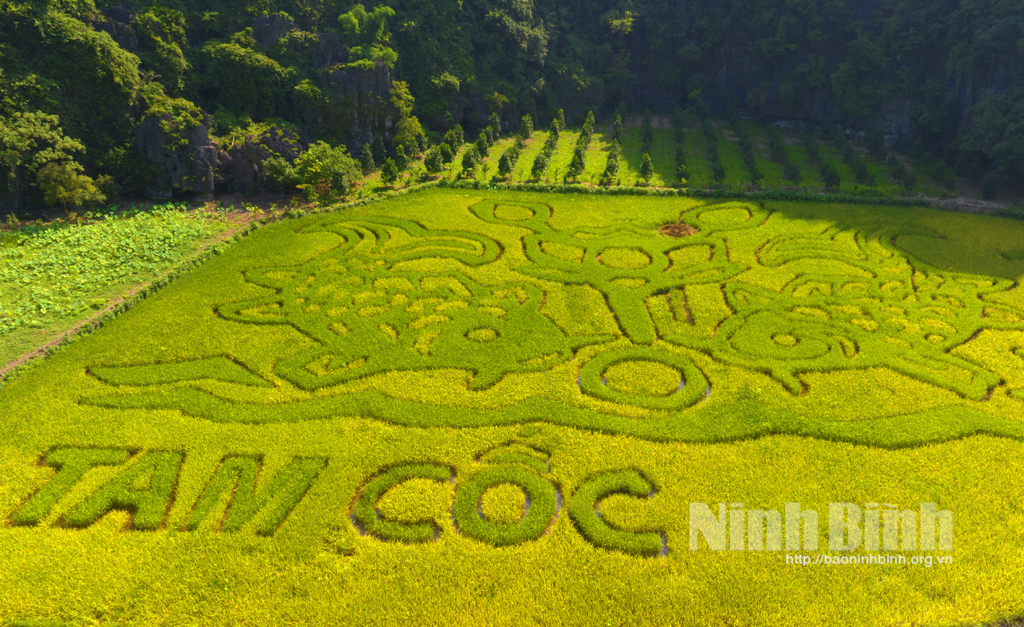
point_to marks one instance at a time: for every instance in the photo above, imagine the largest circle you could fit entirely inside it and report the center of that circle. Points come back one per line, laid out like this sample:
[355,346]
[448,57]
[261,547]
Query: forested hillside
[168,96]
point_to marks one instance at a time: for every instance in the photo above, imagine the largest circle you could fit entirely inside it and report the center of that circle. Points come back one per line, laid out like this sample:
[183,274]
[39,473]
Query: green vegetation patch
[59,273]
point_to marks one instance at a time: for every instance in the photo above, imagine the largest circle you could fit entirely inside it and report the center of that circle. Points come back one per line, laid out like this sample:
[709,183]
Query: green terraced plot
[497,408]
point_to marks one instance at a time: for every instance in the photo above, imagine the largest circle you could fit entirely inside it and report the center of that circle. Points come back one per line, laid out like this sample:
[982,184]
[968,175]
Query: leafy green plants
[55,273]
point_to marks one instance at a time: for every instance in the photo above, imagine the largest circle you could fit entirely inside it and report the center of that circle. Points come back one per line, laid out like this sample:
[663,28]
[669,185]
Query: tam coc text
[873,527]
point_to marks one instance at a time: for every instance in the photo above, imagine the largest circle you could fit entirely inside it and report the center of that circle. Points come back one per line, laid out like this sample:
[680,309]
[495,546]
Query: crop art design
[613,328]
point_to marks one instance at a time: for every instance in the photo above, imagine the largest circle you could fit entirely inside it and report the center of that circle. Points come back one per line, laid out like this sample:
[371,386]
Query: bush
[446,153]
[860,171]
[505,165]
[366,160]
[830,176]
[377,149]
[709,133]
[324,164]
[683,173]
[455,138]
[811,146]
[281,176]
[611,169]
[576,166]
[647,168]
[63,183]
[470,159]
[847,152]
[909,182]
[482,145]
[540,164]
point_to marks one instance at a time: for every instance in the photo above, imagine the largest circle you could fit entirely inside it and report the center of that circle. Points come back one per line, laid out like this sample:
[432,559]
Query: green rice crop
[464,406]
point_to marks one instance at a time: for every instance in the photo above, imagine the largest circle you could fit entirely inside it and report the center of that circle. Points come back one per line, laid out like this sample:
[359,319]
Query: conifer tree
[433,161]
[505,164]
[470,159]
[366,163]
[389,172]
[526,126]
[646,168]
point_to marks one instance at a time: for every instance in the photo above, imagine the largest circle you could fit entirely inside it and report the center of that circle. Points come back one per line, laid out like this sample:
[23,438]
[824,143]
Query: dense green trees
[367,36]
[485,63]
[998,132]
[325,164]
[56,64]
[245,81]
[62,183]
[34,143]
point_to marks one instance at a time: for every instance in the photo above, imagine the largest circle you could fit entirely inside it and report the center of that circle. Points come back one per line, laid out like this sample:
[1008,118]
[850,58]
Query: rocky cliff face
[358,105]
[120,25]
[184,160]
[245,172]
[267,30]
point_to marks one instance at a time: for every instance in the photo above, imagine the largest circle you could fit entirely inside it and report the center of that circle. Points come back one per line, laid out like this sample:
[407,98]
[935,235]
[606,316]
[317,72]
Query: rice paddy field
[463,407]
